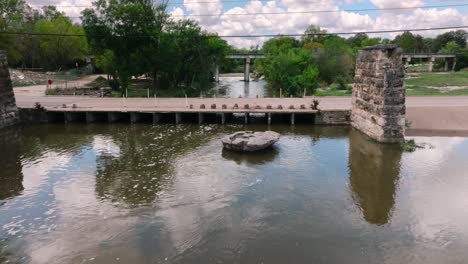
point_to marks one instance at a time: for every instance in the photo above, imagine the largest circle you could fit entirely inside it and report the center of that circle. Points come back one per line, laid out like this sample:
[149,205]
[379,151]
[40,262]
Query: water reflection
[11,176]
[235,87]
[170,194]
[143,164]
[374,172]
[254,158]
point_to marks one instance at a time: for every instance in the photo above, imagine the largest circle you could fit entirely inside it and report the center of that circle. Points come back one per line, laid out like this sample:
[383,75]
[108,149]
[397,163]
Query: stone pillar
[454,64]
[216,73]
[407,61]
[247,70]
[446,64]
[378,102]
[8,109]
[431,64]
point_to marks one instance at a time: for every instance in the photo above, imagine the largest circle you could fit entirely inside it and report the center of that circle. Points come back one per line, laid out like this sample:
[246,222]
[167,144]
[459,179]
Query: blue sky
[343,21]
[224,23]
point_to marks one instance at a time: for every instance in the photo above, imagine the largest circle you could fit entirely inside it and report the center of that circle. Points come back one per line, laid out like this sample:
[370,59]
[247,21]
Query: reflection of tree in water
[146,161]
[7,255]
[374,171]
[11,176]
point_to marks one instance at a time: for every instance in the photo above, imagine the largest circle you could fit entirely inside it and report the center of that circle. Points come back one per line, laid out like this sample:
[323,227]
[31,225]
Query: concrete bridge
[448,58]
[450,61]
[247,58]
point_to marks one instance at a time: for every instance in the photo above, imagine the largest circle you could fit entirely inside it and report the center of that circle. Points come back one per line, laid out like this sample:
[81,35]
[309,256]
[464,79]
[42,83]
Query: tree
[61,51]
[123,27]
[409,42]
[314,34]
[451,47]
[459,36]
[335,60]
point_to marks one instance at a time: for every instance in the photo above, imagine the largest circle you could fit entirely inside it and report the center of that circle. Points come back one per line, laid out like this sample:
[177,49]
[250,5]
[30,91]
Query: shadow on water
[251,158]
[11,176]
[374,171]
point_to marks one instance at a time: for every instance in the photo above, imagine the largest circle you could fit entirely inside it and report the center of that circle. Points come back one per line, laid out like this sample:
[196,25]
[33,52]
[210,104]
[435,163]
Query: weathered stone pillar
[431,64]
[446,64]
[407,61]
[247,70]
[216,73]
[378,102]
[8,109]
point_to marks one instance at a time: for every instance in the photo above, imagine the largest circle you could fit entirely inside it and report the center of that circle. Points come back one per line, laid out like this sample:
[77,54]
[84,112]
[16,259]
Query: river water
[170,194]
[236,87]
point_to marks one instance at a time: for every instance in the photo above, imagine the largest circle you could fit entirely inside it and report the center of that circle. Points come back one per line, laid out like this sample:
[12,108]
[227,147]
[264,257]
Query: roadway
[446,115]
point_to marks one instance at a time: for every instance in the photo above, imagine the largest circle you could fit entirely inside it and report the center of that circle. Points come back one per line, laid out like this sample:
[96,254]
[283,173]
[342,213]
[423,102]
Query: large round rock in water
[250,141]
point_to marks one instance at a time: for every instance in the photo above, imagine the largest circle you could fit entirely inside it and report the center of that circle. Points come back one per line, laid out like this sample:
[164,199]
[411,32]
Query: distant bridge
[449,59]
[247,58]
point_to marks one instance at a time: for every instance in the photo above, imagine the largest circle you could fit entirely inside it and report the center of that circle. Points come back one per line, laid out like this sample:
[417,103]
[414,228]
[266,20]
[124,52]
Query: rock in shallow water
[250,141]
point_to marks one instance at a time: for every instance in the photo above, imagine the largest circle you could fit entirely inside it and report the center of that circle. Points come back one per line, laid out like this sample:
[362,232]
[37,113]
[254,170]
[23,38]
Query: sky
[344,19]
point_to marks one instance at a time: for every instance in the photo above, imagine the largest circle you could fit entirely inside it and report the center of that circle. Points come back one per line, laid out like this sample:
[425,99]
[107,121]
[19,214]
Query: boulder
[250,141]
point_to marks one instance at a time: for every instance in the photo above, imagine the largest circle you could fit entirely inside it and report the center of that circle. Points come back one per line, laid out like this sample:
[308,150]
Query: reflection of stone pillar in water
[378,102]
[374,171]
[11,177]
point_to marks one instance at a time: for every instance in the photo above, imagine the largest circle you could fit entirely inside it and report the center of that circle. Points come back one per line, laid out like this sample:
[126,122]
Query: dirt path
[39,90]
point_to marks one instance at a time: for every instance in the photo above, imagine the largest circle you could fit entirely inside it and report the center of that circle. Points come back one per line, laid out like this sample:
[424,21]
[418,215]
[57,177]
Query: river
[169,194]
[235,87]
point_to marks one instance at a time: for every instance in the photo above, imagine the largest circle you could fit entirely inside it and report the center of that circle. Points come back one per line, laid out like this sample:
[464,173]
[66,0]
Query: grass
[439,79]
[22,84]
[139,88]
[335,90]
[420,85]
[99,82]
[410,146]
[425,91]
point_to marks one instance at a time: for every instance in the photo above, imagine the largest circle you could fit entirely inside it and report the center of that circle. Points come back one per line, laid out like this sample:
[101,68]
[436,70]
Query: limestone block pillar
[431,64]
[407,61]
[454,64]
[247,70]
[216,73]
[378,101]
[8,110]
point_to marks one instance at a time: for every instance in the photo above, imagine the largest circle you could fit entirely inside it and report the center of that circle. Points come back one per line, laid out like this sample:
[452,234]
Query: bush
[341,83]
[99,82]
[410,146]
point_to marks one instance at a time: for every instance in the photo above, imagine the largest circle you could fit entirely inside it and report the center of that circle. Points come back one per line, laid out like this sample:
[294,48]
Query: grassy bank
[422,84]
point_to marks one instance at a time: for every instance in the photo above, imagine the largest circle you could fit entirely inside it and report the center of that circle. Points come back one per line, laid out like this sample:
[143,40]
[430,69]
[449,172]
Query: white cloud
[399,3]
[222,21]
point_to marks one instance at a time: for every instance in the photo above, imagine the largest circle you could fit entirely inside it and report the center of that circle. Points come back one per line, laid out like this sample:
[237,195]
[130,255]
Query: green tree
[61,51]
[409,43]
[459,36]
[451,47]
[123,27]
[335,60]
[292,70]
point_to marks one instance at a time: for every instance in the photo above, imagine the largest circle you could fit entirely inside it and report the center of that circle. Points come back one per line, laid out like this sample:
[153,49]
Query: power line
[322,11]
[329,11]
[197,2]
[253,36]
